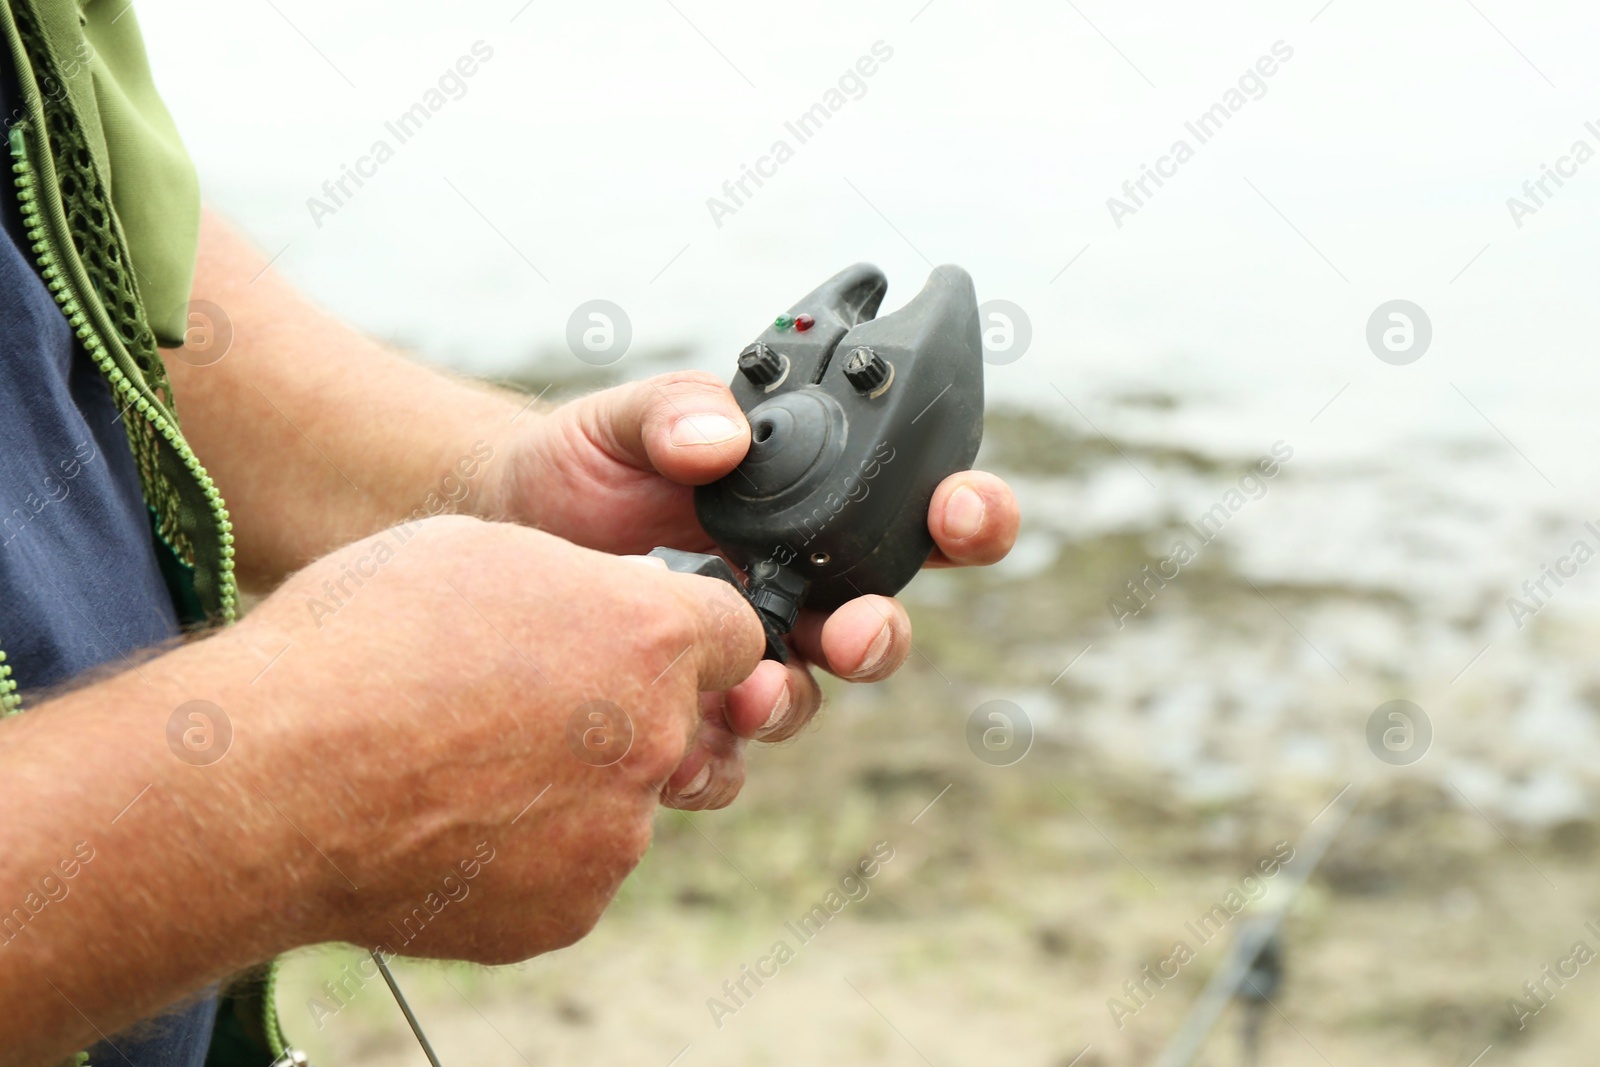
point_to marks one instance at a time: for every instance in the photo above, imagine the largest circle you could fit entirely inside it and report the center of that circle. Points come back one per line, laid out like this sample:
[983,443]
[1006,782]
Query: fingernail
[704,430]
[780,712]
[963,515]
[877,652]
[696,785]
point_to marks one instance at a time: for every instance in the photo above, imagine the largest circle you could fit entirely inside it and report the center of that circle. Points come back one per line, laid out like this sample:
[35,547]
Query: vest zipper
[64,277]
[10,702]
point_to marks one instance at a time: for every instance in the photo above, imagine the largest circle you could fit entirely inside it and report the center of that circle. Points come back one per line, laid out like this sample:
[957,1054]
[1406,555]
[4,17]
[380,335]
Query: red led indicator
[804,322]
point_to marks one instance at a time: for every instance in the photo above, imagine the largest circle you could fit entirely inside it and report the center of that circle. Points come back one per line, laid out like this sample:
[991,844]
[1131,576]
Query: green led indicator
[783,322]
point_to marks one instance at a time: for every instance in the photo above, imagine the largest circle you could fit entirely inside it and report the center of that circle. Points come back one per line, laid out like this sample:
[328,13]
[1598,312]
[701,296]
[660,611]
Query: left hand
[613,471]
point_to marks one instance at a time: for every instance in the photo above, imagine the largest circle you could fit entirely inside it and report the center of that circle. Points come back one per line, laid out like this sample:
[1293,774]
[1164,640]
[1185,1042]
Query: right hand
[413,725]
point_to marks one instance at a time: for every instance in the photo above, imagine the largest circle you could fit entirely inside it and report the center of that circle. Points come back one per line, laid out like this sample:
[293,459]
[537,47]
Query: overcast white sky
[1376,166]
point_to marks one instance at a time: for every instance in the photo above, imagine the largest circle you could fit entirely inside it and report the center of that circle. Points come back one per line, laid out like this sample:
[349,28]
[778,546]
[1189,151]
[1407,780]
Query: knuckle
[663,630]
[659,746]
[618,851]
[725,620]
[576,928]
[581,914]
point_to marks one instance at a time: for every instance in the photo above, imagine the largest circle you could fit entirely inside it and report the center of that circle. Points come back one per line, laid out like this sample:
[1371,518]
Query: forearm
[316,435]
[132,878]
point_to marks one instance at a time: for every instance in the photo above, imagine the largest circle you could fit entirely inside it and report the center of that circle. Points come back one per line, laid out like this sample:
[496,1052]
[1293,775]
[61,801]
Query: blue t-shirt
[80,585]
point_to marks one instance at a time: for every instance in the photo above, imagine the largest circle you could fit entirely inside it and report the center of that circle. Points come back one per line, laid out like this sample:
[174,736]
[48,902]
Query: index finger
[729,639]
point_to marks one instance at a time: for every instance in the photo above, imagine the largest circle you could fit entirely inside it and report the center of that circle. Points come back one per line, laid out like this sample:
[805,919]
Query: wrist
[247,797]
[470,466]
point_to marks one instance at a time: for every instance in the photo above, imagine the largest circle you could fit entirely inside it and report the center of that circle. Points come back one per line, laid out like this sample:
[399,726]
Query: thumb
[685,425]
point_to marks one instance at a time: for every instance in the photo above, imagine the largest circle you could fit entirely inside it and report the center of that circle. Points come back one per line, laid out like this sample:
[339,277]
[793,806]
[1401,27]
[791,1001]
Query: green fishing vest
[112,208]
[111,204]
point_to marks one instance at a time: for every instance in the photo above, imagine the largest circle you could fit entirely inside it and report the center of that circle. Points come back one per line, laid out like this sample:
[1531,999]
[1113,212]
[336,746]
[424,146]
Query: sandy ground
[1013,910]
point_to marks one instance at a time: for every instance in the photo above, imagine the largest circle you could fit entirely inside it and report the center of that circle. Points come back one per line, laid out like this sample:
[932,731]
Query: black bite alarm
[854,422]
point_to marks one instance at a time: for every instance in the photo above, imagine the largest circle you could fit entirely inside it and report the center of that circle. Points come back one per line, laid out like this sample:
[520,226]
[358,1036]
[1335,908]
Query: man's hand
[481,666]
[614,471]
[447,704]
